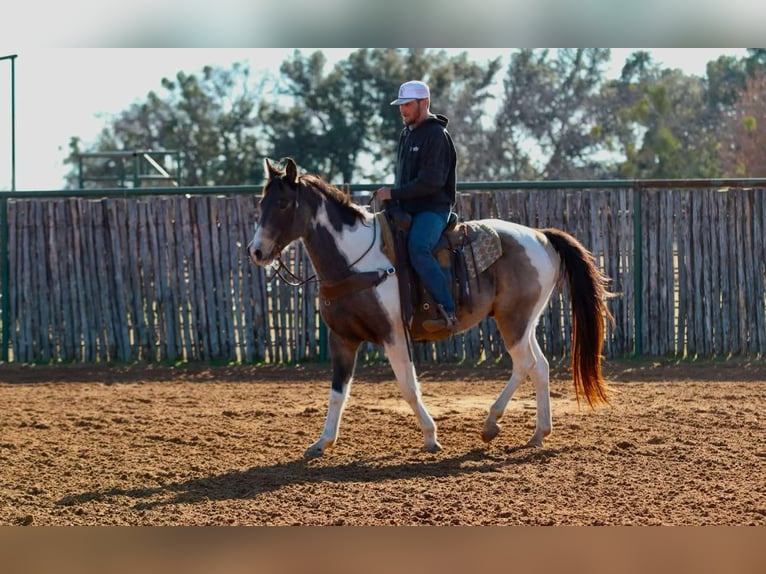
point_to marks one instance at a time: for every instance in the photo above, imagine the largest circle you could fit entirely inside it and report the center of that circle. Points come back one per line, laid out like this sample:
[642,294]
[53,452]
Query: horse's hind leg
[540,375]
[407,379]
[527,359]
[343,355]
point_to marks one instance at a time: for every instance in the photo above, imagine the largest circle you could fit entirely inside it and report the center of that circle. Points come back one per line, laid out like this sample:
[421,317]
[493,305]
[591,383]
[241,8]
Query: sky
[61,93]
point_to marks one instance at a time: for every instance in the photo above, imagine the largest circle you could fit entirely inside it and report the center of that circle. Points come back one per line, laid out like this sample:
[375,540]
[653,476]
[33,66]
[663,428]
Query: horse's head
[280,221]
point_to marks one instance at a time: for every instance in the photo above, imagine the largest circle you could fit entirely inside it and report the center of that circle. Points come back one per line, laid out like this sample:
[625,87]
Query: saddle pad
[486,247]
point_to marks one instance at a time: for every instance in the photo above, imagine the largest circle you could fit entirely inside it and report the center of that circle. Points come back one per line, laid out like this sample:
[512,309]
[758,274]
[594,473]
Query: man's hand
[383,193]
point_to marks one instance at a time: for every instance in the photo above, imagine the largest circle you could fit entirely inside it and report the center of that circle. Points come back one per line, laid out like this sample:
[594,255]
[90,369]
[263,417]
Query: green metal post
[4,271]
[136,179]
[638,276]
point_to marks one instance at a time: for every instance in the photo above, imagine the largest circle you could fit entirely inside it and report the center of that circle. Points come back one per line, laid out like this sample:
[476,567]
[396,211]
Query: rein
[289,278]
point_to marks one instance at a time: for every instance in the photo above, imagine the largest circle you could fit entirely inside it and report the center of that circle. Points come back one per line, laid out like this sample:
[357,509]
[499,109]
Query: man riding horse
[424,187]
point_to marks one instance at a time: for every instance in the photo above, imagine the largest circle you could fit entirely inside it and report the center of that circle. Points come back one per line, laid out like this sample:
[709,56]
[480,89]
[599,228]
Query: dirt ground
[683,444]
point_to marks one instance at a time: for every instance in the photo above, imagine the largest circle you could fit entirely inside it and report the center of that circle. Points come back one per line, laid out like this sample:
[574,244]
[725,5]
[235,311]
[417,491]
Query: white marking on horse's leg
[540,375]
[523,361]
[343,355]
[332,423]
[407,379]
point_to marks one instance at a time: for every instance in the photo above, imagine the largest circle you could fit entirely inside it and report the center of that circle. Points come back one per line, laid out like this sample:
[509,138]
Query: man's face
[413,112]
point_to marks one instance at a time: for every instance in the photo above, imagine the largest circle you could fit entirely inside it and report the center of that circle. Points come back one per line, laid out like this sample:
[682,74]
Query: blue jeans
[426,229]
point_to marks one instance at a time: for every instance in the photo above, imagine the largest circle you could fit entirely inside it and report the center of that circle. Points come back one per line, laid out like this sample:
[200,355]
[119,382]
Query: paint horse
[343,241]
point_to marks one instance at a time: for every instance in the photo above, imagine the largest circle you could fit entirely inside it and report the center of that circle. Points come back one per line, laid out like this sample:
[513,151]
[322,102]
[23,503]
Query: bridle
[289,278]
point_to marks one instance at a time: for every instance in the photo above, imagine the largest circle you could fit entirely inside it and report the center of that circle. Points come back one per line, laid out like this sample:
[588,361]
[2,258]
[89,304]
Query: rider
[426,164]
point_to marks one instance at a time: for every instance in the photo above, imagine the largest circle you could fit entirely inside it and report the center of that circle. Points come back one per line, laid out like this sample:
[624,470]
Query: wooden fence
[166,278]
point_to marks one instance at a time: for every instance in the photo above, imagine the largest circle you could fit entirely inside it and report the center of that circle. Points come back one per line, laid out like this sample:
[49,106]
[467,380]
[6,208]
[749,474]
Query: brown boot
[447,321]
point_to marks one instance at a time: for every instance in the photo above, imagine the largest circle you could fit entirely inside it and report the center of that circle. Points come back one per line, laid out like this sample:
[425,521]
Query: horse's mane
[332,193]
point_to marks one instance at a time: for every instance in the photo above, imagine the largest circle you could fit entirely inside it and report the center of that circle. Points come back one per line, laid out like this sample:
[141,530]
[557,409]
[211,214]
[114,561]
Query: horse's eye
[284,203]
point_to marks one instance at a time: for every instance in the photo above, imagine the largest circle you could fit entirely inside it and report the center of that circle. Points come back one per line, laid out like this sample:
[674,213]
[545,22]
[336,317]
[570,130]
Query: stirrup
[446,321]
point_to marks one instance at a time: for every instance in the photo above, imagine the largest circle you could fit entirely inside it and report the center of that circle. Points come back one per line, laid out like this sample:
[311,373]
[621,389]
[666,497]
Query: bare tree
[743,142]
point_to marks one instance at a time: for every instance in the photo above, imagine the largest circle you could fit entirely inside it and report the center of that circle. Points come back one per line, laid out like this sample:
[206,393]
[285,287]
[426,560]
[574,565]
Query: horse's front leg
[343,357]
[407,379]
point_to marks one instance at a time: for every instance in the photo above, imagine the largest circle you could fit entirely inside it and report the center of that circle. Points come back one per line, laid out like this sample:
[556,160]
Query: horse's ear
[291,175]
[269,169]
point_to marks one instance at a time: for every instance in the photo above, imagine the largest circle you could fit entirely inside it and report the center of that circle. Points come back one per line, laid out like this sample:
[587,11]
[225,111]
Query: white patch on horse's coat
[528,238]
[353,242]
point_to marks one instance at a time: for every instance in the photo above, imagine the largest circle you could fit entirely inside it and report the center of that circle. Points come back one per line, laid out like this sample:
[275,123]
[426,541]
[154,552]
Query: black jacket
[426,167]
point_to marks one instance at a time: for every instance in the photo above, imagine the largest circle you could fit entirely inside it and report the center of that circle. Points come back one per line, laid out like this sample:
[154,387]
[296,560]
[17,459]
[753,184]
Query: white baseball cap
[412,90]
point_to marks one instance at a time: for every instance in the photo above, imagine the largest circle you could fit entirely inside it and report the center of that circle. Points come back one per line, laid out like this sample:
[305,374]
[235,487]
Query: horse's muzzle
[260,255]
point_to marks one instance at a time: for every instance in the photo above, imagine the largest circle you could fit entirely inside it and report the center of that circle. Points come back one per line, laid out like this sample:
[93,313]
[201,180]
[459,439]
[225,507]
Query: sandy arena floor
[683,444]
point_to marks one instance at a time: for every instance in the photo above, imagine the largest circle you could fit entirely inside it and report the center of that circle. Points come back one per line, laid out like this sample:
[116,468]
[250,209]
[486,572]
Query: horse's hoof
[436,447]
[489,431]
[534,442]
[313,452]
[537,439]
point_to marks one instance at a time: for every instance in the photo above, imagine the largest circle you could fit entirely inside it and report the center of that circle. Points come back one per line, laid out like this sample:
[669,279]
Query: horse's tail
[588,293]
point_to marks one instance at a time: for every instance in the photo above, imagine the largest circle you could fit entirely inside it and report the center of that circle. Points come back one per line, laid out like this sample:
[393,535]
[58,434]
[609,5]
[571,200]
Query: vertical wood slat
[207,281]
[252,300]
[179,234]
[705,293]
[159,338]
[234,285]
[57,320]
[647,299]
[734,280]
[13,263]
[759,259]
[118,247]
[14,252]
[222,292]
[87,283]
[187,280]
[166,264]
[681,233]
[761,241]
[742,287]
[698,259]
[137,322]
[25,350]
[627,269]
[715,274]
[76,280]
[146,271]
[669,272]
[749,265]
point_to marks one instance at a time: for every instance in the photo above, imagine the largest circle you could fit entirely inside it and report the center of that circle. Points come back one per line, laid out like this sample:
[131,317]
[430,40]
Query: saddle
[464,250]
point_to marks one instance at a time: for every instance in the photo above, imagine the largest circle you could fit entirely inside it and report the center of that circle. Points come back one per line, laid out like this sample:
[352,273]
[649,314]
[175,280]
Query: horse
[343,242]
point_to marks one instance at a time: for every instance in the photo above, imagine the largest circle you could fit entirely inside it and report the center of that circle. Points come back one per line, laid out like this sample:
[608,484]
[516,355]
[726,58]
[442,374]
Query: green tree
[664,123]
[725,79]
[209,118]
[340,123]
[325,120]
[550,125]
